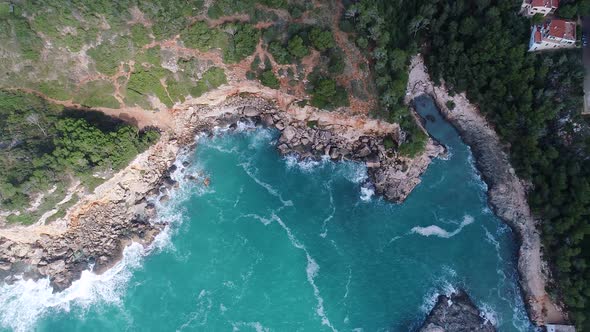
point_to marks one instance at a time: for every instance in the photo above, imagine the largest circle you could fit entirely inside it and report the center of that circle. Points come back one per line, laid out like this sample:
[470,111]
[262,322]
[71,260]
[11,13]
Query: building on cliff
[560,328]
[531,8]
[553,34]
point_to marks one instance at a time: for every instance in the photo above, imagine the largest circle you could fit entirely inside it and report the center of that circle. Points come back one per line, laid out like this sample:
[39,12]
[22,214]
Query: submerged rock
[456,314]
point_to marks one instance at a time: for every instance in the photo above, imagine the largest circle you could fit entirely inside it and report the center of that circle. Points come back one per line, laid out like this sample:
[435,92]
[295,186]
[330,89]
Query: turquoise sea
[273,244]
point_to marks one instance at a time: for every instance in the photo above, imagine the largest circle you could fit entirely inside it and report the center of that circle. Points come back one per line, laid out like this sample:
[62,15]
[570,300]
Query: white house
[544,7]
[553,34]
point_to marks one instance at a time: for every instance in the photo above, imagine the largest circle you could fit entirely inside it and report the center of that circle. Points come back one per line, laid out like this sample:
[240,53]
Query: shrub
[279,53]
[203,38]
[140,35]
[327,94]
[297,48]
[450,105]
[268,78]
[243,39]
[109,55]
[321,39]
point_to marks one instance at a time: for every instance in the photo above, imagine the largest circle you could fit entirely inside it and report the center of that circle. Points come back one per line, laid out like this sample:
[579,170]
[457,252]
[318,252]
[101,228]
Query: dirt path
[222,20]
[133,115]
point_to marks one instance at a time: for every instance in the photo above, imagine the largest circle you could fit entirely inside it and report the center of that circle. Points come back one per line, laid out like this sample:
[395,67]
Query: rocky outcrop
[506,193]
[392,175]
[456,313]
[99,227]
[96,230]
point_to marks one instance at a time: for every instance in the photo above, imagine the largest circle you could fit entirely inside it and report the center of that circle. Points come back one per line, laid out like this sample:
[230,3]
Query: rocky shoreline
[96,230]
[506,193]
[455,313]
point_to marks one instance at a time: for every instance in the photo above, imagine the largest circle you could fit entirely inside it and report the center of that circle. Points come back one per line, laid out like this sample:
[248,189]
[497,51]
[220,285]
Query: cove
[273,244]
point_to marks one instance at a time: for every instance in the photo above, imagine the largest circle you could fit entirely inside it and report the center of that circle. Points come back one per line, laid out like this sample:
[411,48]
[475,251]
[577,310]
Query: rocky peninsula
[456,313]
[506,192]
[95,231]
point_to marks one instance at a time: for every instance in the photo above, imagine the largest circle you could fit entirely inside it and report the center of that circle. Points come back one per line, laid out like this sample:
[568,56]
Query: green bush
[450,105]
[327,94]
[268,78]
[279,53]
[212,78]
[297,47]
[144,82]
[140,35]
[321,39]
[203,38]
[108,56]
[242,41]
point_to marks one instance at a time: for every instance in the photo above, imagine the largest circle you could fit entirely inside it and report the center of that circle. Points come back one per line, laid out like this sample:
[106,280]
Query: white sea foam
[353,172]
[262,136]
[477,179]
[434,230]
[367,193]
[305,165]
[443,287]
[312,269]
[257,326]
[204,303]
[252,174]
[492,240]
[488,314]
[324,232]
[348,282]
[25,301]
[448,155]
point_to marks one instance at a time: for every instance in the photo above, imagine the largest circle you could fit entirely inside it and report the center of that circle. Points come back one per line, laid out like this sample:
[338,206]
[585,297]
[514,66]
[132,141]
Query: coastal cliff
[96,230]
[506,193]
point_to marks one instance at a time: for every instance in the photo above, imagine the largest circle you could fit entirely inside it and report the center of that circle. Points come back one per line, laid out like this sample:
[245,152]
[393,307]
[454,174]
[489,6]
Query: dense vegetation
[42,146]
[534,101]
[390,42]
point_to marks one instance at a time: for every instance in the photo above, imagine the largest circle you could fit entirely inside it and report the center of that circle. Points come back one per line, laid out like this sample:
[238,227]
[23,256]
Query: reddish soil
[236,73]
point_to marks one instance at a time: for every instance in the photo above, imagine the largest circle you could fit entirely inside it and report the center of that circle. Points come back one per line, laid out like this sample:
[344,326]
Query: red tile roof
[561,29]
[537,35]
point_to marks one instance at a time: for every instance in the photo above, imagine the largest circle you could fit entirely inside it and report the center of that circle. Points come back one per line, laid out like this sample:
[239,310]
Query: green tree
[297,48]
[321,39]
[268,78]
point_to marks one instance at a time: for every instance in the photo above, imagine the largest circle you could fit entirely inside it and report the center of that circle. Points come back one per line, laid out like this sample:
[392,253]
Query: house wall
[529,11]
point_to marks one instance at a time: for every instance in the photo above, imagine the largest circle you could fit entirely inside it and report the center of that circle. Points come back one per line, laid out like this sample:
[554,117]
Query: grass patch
[54,89]
[97,94]
[109,55]
[147,81]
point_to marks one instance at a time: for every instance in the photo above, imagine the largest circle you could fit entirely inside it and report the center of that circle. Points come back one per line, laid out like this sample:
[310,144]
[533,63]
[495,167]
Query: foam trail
[268,187]
[491,240]
[204,305]
[312,271]
[327,219]
[434,230]
[348,282]
[257,326]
